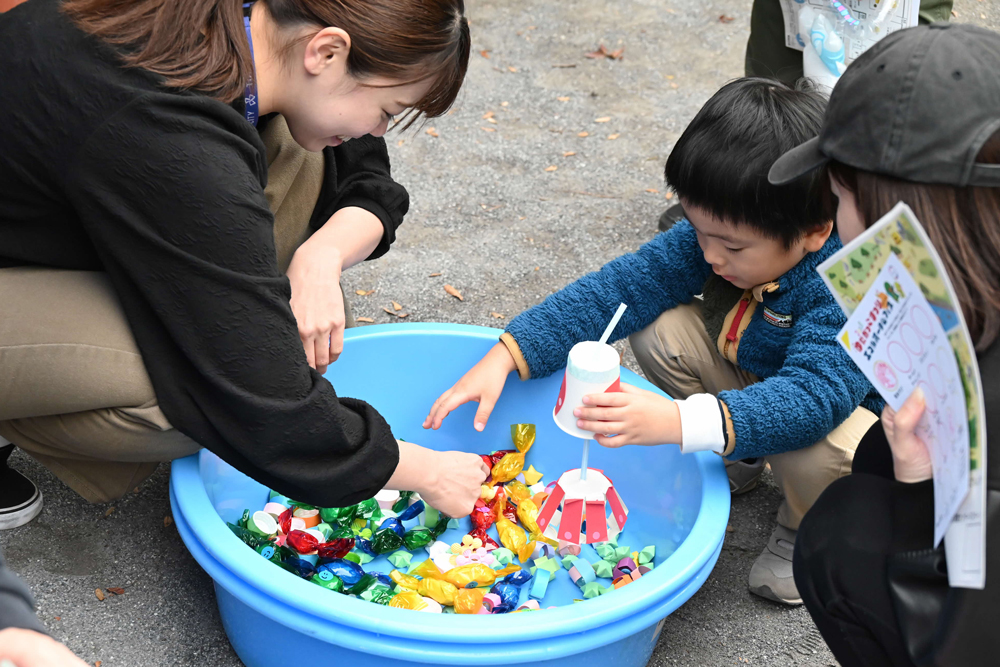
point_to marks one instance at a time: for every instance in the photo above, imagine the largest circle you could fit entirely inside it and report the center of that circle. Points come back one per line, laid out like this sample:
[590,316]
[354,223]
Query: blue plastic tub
[273,618]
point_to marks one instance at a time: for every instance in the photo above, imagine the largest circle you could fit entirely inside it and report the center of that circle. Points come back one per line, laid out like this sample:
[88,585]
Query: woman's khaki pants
[74,393]
[677,356]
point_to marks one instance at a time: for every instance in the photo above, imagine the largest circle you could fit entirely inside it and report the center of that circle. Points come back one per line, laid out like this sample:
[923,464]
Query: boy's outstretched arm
[665,272]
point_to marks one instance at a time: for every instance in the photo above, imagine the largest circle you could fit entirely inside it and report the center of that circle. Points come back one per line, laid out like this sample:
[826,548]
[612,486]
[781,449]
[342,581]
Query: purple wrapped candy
[298,566]
[519,578]
[412,511]
[509,596]
[348,571]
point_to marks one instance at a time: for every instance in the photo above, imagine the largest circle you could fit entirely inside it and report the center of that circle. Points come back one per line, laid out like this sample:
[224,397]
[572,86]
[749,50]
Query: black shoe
[20,499]
[673,214]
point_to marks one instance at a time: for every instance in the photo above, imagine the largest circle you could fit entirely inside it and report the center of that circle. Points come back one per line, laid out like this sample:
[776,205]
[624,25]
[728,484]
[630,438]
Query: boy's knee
[664,340]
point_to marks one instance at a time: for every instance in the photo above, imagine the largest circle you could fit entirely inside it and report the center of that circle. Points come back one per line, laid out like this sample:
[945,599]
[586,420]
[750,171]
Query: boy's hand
[910,458]
[483,383]
[636,416]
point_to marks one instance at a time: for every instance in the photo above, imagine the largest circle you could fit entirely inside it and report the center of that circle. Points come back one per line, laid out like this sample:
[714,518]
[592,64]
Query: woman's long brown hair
[201,45]
[962,223]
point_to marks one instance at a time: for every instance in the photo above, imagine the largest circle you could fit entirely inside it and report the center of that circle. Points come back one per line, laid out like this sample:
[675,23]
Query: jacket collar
[801,271]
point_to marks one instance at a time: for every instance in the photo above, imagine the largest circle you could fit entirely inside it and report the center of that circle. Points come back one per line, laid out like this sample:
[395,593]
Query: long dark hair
[201,45]
[963,224]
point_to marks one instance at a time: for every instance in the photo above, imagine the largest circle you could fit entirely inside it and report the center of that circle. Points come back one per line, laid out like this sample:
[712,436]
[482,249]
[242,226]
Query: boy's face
[742,255]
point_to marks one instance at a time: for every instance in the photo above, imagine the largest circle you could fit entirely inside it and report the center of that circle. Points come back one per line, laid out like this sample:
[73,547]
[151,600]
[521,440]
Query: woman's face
[850,222]
[324,105]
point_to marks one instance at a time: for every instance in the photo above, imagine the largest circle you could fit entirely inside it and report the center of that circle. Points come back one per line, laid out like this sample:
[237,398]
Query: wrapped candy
[440,591]
[527,512]
[517,491]
[248,538]
[302,542]
[343,516]
[518,578]
[510,569]
[408,600]
[412,511]
[298,567]
[328,580]
[369,509]
[469,601]
[428,570]
[418,537]
[393,524]
[511,465]
[349,572]
[482,516]
[513,537]
[509,596]
[488,542]
[406,581]
[496,457]
[464,575]
[403,502]
[385,540]
[500,506]
[378,595]
[336,548]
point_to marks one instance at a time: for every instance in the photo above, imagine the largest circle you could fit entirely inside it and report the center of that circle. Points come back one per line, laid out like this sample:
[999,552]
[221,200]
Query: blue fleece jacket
[808,383]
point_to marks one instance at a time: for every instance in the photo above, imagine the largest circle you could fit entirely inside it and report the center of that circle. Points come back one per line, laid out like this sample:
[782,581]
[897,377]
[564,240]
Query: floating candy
[492,601]
[350,573]
[517,491]
[395,525]
[339,515]
[406,581]
[328,580]
[502,508]
[513,537]
[518,578]
[527,512]
[336,548]
[408,600]
[303,542]
[482,516]
[477,573]
[412,511]
[488,542]
[508,594]
[510,465]
[440,591]
[531,476]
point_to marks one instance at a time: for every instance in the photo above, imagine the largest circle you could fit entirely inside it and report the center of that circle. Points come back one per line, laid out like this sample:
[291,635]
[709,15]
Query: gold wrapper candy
[513,537]
[527,512]
[510,569]
[462,576]
[439,591]
[406,581]
[408,600]
[511,465]
[469,600]
[517,491]
[428,570]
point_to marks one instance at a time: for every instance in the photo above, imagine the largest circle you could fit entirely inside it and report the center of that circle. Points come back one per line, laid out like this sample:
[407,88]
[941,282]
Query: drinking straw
[613,323]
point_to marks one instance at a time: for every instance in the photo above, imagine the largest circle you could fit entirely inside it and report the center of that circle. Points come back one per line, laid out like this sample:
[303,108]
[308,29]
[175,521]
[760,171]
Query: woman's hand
[450,482]
[910,458]
[318,303]
[483,383]
[27,648]
[635,416]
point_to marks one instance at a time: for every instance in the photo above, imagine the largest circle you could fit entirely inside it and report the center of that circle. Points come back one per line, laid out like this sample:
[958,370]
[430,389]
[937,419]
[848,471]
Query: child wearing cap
[753,364]
[915,119]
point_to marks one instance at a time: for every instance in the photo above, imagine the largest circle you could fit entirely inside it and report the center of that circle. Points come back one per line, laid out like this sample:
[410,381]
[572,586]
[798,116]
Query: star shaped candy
[400,559]
[549,564]
[531,476]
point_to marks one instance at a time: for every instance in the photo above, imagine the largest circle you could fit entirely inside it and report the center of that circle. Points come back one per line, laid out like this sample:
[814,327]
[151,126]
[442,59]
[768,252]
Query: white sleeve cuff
[702,428]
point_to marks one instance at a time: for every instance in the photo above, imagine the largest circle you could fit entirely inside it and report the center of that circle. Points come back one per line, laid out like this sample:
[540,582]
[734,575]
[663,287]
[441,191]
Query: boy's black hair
[721,160]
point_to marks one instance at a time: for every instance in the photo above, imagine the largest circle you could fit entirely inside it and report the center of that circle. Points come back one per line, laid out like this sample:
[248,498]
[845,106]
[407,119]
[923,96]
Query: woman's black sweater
[104,169]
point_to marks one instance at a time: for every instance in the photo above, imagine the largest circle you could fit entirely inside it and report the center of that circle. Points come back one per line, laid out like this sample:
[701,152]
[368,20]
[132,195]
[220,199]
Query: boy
[754,366]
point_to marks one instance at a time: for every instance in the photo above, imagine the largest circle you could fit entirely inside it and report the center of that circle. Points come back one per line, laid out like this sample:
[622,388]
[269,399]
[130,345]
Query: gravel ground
[491,215]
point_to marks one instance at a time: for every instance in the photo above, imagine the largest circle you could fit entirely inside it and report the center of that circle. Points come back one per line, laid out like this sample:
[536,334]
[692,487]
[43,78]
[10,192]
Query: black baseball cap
[917,106]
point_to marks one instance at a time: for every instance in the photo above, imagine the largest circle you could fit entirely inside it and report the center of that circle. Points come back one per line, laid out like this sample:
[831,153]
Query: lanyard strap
[250,92]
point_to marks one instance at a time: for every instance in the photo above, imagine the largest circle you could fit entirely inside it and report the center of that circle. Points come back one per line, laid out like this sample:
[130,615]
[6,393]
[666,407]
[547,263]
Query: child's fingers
[453,400]
[615,399]
[610,441]
[429,419]
[631,389]
[599,414]
[486,405]
[600,426]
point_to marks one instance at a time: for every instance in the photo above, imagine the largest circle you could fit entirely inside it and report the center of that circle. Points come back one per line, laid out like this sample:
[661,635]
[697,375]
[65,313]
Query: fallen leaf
[364,319]
[512,69]
[563,99]
[569,153]
[617,54]
[432,131]
[97,664]
[454,292]
[503,104]
[653,191]
[485,53]
[167,521]
[583,134]
[536,268]
[982,16]
[117,591]
[668,196]
[100,594]
[725,19]
[496,315]
[602,119]
[391,312]
[400,142]
[364,292]
[402,315]
[601,52]
[488,115]
[487,129]
[491,120]
[58,618]
[396,306]
[109,511]
[551,168]
[434,275]
[135,490]
[612,137]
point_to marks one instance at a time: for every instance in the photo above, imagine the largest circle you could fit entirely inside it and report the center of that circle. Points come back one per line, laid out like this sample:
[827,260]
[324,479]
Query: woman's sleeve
[170,192]
[357,173]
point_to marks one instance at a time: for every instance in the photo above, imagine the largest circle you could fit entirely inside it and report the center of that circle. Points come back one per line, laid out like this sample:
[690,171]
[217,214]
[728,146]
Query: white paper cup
[591,368]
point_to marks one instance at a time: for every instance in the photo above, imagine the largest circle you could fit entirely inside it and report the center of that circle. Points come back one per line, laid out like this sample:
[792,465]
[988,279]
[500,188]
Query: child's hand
[455,482]
[910,458]
[483,383]
[636,416]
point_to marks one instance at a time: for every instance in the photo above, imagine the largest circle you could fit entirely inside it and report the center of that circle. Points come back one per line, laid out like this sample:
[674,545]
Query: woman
[864,560]
[145,303]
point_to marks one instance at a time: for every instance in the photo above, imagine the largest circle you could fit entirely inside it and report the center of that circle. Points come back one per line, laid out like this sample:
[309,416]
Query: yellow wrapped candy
[408,600]
[510,569]
[439,591]
[527,512]
[469,600]
[428,570]
[463,575]
[511,465]
[517,491]
[513,537]
[406,581]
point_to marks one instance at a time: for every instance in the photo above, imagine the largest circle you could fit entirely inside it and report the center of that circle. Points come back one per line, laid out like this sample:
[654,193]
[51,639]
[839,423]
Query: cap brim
[797,162]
